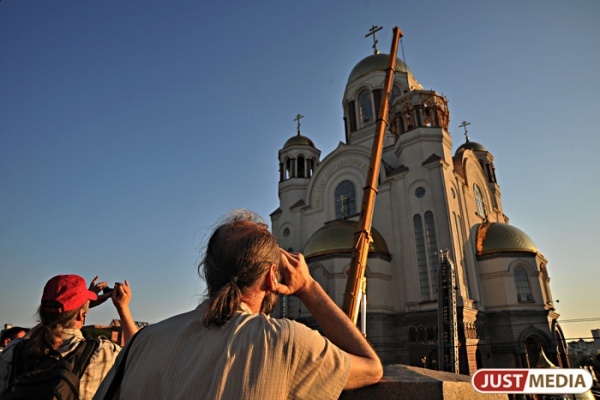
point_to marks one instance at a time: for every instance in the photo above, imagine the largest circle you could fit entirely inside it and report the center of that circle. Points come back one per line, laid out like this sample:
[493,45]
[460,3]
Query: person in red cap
[63,309]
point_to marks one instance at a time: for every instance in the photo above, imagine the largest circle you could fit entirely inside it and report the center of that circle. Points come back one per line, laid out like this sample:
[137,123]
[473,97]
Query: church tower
[430,202]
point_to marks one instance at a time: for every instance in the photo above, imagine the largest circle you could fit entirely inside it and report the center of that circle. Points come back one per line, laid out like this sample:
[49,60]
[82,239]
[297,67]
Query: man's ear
[271,278]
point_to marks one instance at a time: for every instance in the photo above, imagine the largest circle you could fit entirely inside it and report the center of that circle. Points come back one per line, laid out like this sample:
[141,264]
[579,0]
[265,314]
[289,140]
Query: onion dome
[338,237]
[376,62]
[468,145]
[495,237]
[298,140]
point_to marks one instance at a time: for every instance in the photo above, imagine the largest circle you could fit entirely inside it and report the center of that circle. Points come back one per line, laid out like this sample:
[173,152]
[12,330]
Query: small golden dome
[495,237]
[298,140]
[338,237]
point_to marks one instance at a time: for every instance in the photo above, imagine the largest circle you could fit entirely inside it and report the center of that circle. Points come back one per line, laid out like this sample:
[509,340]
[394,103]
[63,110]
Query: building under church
[431,199]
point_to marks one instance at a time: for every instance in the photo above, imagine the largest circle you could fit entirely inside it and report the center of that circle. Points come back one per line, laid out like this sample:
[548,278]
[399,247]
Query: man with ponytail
[229,348]
[65,303]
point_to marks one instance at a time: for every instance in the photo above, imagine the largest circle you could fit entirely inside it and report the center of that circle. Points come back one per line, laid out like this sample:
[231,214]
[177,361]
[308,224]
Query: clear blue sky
[127,128]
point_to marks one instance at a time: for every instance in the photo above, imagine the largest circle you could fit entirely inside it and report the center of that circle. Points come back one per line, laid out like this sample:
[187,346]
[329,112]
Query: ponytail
[48,337]
[222,306]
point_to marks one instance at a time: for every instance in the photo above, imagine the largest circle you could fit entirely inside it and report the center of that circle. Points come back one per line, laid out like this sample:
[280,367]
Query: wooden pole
[362,237]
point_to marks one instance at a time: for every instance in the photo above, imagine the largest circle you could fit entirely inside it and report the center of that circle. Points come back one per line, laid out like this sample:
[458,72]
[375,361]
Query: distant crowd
[227,348]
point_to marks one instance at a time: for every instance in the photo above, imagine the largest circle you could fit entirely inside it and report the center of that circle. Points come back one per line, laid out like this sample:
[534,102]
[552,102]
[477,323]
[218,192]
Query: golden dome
[495,237]
[338,237]
[298,140]
[376,62]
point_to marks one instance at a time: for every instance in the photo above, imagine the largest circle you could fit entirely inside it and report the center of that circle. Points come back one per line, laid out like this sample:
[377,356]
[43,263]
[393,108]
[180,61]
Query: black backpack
[49,377]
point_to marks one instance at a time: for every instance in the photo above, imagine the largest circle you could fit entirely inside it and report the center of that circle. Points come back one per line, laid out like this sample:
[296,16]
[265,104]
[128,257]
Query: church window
[412,334]
[310,167]
[491,173]
[431,334]
[408,118]
[365,108]
[288,168]
[428,113]
[420,192]
[396,92]
[432,249]
[522,285]
[352,116]
[286,232]
[427,255]
[421,257]
[301,167]
[479,199]
[422,334]
[345,200]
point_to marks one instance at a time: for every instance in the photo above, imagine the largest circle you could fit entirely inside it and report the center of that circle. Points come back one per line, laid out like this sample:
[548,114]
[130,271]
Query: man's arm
[366,368]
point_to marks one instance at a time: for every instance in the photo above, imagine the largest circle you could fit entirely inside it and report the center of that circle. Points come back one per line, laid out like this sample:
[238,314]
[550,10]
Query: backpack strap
[116,382]
[18,361]
[82,354]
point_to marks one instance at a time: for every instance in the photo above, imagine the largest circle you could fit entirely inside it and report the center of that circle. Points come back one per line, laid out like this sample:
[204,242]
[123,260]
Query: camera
[107,290]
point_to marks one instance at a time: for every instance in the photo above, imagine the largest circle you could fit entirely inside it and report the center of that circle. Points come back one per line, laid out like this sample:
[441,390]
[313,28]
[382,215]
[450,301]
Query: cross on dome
[464,125]
[374,28]
[298,117]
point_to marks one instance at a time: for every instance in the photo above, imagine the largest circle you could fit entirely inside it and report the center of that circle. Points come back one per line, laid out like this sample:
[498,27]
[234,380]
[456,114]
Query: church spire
[298,117]
[374,28]
[464,125]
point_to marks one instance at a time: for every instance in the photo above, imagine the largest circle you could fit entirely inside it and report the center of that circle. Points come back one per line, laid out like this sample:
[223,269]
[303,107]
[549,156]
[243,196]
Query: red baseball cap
[66,293]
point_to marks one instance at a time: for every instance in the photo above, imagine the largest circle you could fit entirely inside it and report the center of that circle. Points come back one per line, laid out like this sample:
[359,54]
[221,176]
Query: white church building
[430,198]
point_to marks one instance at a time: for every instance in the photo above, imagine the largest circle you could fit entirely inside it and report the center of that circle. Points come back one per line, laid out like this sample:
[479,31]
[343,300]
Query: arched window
[365,108]
[345,200]
[432,250]
[396,92]
[522,285]
[412,334]
[480,200]
[310,167]
[427,255]
[431,334]
[301,167]
[422,335]
[288,168]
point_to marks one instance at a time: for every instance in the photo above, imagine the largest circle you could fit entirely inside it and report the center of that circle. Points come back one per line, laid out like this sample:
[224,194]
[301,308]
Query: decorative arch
[531,341]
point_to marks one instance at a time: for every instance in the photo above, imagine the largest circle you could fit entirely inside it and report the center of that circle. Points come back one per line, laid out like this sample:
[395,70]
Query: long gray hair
[239,252]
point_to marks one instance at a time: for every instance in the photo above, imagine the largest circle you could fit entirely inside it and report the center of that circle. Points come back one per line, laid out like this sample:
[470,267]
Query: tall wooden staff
[362,237]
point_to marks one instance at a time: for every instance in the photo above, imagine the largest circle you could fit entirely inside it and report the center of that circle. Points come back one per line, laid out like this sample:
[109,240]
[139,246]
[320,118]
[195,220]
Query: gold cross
[298,117]
[374,28]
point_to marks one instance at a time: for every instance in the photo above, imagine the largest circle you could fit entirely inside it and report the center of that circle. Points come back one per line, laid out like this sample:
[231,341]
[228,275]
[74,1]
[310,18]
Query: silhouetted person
[10,334]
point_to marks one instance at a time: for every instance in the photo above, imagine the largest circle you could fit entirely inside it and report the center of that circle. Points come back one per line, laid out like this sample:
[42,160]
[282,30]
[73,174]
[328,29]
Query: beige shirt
[100,363]
[252,356]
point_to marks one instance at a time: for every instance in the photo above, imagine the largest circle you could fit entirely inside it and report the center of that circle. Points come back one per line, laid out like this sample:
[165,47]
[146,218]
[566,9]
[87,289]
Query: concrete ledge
[410,383]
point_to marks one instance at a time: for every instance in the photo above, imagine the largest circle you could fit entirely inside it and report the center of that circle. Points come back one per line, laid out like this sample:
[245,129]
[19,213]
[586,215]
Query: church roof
[495,237]
[338,237]
[298,140]
[376,62]
[468,145]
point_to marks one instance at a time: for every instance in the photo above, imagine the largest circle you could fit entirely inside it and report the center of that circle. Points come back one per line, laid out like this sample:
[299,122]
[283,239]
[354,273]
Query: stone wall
[403,382]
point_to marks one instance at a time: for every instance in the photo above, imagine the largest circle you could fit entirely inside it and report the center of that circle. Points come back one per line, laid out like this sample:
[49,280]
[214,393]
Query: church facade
[431,201]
